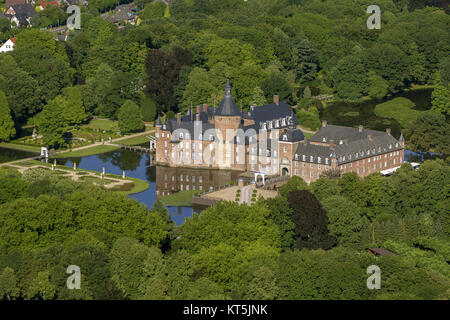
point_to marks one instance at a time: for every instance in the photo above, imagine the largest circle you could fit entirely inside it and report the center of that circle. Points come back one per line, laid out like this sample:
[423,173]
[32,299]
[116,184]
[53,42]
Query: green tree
[294,183]
[7,129]
[130,119]
[53,124]
[378,87]
[258,97]
[440,98]
[41,287]
[148,109]
[345,220]
[8,284]
[74,109]
[310,221]
[324,188]
[429,132]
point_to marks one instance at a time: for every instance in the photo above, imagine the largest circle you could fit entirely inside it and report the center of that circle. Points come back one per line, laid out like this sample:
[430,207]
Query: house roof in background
[44,4]
[10,3]
[24,10]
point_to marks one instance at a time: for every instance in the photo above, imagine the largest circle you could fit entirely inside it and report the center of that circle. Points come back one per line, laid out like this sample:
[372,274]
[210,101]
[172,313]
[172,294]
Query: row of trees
[309,243]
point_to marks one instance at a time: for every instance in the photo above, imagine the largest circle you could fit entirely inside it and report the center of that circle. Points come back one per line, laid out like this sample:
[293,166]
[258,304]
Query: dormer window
[324,139]
[304,158]
[285,138]
[283,122]
[296,156]
[181,135]
[311,158]
[326,160]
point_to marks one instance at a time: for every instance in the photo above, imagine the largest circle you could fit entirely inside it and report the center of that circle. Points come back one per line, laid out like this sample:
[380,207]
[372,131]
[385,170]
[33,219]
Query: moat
[162,180]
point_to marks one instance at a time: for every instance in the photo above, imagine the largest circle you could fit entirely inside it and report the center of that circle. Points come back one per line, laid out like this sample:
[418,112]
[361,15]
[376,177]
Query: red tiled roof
[44,4]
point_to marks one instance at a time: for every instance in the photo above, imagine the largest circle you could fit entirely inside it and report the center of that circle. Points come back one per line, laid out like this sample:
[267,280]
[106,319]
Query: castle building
[266,139]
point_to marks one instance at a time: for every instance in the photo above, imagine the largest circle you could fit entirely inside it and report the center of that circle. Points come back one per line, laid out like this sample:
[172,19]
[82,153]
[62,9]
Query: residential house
[43,5]
[8,45]
[21,14]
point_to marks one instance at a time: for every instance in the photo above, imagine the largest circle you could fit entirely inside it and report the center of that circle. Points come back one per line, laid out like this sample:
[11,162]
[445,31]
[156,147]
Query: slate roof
[3,16]
[227,106]
[272,112]
[338,133]
[361,149]
[158,121]
[190,127]
[358,146]
[292,135]
[10,3]
[316,151]
[26,10]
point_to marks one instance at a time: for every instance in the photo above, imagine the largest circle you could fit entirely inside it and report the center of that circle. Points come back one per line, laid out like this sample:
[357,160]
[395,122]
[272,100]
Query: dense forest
[181,55]
[309,243]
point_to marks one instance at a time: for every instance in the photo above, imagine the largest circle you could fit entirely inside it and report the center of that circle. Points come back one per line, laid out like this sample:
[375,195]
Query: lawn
[103,125]
[400,109]
[20,147]
[87,152]
[134,141]
[134,186]
[181,198]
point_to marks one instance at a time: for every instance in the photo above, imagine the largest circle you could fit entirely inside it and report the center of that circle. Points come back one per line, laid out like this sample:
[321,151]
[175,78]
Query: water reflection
[354,114]
[7,154]
[162,180]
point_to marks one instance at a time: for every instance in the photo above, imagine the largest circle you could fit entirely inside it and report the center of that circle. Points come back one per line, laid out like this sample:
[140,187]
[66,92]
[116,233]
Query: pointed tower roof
[158,121]
[402,138]
[227,107]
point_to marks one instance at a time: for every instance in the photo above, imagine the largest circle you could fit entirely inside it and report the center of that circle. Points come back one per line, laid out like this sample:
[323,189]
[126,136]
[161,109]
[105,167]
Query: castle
[266,139]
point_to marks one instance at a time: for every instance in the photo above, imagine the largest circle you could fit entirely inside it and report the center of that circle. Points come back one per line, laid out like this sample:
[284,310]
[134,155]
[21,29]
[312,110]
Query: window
[285,149]
[285,137]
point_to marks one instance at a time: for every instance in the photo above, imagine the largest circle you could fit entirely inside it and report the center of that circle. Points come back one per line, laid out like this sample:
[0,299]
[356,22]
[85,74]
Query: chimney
[369,136]
[276,99]
[324,123]
[388,131]
[205,107]
[346,141]
[361,128]
[197,116]
[332,144]
[252,107]
[197,110]
[178,117]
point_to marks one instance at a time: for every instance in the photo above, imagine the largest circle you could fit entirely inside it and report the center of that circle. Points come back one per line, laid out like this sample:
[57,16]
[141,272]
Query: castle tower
[227,119]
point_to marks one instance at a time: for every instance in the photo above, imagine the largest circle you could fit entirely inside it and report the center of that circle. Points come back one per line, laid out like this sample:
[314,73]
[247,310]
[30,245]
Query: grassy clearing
[181,198]
[20,147]
[134,141]
[400,109]
[103,125]
[87,152]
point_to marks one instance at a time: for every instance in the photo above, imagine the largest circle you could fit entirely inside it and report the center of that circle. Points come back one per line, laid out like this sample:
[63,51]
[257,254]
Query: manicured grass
[181,198]
[138,184]
[103,124]
[400,109]
[20,147]
[87,152]
[135,140]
